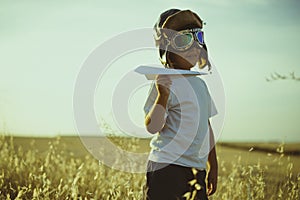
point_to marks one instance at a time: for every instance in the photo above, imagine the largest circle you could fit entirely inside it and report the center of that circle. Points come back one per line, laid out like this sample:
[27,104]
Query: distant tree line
[276,76]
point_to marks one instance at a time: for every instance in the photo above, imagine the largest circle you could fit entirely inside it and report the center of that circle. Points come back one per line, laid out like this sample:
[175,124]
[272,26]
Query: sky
[44,44]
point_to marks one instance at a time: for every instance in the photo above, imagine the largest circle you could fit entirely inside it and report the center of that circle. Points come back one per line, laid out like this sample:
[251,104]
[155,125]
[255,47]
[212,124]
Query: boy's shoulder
[199,85]
[197,80]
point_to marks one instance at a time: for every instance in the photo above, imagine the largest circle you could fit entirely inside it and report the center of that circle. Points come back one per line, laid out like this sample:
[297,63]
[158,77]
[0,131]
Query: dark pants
[172,182]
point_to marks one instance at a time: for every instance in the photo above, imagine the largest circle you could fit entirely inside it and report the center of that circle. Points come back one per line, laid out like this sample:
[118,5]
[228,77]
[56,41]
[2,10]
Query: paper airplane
[151,72]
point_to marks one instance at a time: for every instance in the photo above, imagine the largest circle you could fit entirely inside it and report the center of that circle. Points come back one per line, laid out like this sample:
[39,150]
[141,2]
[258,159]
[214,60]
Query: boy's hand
[163,83]
[212,180]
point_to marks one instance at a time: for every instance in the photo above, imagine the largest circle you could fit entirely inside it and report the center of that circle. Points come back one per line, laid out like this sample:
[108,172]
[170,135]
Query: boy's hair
[175,19]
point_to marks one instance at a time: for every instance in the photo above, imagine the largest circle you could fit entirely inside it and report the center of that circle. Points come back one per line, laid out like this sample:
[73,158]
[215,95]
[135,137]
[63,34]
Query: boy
[179,108]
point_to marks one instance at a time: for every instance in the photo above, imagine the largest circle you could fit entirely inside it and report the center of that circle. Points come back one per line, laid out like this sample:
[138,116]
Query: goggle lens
[184,40]
[200,37]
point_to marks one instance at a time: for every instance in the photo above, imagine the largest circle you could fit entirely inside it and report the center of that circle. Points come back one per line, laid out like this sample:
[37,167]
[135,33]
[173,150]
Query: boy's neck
[179,67]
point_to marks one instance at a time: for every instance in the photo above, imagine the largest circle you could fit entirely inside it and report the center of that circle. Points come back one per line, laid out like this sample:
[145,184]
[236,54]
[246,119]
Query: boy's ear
[203,59]
[202,63]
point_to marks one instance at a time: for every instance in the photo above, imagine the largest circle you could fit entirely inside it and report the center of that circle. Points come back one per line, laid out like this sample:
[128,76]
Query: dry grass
[61,168]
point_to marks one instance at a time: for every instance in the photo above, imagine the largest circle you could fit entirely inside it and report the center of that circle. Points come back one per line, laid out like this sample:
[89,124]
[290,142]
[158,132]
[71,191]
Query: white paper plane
[151,72]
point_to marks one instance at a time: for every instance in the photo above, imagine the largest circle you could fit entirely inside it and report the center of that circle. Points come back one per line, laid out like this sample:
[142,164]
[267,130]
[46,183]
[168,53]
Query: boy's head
[176,33]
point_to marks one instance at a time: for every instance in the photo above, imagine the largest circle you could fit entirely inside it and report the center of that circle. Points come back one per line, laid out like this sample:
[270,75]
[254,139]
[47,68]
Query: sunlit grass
[59,173]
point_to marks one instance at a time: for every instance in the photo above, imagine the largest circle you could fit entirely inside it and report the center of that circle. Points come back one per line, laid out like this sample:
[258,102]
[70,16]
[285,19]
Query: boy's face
[184,59]
[184,47]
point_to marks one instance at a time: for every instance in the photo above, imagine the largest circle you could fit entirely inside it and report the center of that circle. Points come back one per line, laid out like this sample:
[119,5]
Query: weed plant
[59,174]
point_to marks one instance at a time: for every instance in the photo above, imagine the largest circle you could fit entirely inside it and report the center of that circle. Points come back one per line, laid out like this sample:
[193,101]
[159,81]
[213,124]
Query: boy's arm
[155,119]
[212,178]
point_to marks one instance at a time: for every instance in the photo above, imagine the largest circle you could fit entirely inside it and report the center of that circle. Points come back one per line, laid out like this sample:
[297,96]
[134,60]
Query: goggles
[183,40]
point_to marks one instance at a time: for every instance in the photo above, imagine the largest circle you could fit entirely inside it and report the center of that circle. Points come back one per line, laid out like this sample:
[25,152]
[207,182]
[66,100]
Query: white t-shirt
[184,139]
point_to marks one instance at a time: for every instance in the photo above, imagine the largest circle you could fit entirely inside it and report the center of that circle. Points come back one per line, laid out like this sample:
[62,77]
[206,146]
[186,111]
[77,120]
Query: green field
[61,168]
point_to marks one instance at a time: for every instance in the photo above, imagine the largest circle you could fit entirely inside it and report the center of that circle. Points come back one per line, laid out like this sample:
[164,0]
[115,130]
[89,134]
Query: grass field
[61,168]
